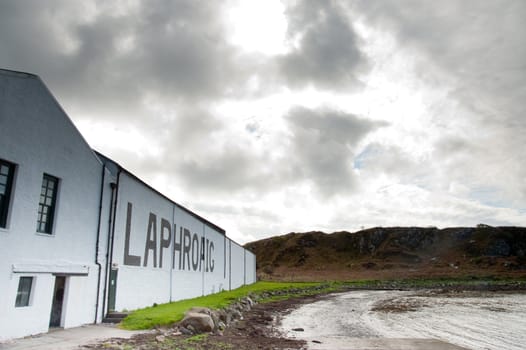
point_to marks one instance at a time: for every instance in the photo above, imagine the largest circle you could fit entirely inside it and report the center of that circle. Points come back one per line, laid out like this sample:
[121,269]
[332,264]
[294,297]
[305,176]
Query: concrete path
[383,344]
[66,339]
[72,338]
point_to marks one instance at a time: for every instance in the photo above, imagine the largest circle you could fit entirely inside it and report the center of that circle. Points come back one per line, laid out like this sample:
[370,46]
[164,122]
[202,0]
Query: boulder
[223,316]
[199,310]
[185,331]
[198,322]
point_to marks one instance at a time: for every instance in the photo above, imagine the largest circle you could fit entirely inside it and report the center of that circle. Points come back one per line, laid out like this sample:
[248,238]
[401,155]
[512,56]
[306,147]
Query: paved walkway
[66,339]
[72,338]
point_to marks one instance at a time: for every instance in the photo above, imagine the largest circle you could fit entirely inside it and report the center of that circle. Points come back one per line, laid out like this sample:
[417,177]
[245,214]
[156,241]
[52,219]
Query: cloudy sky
[268,117]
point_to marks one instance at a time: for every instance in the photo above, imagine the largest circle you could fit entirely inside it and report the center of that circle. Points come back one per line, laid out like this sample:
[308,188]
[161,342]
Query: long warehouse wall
[162,252]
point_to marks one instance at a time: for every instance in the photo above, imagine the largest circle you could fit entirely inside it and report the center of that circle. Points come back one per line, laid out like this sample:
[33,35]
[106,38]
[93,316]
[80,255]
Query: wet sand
[471,319]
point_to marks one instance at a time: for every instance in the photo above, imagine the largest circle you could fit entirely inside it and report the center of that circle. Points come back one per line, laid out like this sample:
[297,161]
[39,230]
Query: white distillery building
[81,236]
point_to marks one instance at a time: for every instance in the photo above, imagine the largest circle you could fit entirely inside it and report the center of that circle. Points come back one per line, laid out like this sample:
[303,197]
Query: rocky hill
[393,252]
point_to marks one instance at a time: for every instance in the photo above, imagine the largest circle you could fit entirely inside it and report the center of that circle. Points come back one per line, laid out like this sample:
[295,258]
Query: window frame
[9,185]
[47,212]
[23,297]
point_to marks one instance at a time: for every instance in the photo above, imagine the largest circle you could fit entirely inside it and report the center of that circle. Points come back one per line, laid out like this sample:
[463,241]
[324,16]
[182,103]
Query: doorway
[58,301]
[113,290]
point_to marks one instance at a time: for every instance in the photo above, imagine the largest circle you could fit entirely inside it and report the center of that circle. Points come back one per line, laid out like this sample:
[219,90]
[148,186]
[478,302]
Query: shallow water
[474,320]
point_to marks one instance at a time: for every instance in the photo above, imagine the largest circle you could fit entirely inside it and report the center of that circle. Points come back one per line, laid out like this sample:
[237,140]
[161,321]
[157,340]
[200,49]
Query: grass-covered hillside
[395,252]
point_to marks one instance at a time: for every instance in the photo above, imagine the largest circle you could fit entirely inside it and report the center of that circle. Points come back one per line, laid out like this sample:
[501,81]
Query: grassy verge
[464,281]
[167,314]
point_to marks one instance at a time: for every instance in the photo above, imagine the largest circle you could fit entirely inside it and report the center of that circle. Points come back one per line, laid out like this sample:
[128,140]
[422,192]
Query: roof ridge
[11,72]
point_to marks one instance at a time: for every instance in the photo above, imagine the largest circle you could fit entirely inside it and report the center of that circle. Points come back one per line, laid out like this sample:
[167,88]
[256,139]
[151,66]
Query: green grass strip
[167,314]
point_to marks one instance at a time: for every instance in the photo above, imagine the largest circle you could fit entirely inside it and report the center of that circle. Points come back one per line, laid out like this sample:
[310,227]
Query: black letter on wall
[165,243]
[132,260]
[202,254]
[207,254]
[177,246]
[186,248]
[210,256]
[151,240]
[195,252]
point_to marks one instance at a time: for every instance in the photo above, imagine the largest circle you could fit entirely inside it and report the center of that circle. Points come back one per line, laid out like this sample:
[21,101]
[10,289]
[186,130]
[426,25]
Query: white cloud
[321,115]
[257,26]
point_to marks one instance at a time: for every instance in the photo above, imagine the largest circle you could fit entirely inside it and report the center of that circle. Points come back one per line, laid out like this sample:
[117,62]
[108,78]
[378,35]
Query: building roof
[115,168]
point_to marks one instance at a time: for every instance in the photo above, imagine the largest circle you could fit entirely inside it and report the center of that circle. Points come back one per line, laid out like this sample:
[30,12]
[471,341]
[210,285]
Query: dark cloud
[323,145]
[205,157]
[173,51]
[193,128]
[184,51]
[160,68]
[108,61]
[327,53]
[187,135]
[74,58]
[318,149]
[231,170]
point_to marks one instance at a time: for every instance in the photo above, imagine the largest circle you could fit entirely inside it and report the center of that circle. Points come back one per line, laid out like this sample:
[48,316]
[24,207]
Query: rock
[308,240]
[369,265]
[200,322]
[463,233]
[160,338]
[235,315]
[245,306]
[299,329]
[199,310]
[228,317]
[316,341]
[249,301]
[215,318]
[499,248]
[185,331]
[222,316]
[215,315]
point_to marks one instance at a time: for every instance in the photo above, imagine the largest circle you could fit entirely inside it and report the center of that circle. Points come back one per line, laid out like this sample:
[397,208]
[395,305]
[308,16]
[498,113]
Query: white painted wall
[140,285]
[250,267]
[238,265]
[197,270]
[106,225]
[216,280]
[38,137]
[12,324]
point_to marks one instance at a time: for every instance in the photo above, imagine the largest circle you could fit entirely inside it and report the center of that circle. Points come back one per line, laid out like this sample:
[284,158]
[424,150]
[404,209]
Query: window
[46,207]
[7,171]
[24,291]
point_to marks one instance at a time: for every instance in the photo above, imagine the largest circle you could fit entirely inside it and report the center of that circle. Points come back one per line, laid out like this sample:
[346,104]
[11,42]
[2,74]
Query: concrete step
[114,317]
